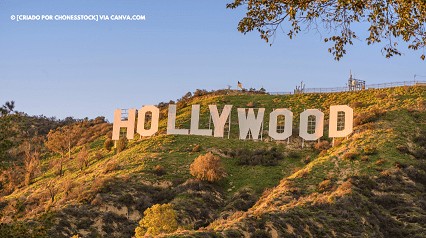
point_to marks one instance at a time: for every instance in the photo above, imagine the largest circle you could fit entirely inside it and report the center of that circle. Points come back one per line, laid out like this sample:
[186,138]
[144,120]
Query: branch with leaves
[389,21]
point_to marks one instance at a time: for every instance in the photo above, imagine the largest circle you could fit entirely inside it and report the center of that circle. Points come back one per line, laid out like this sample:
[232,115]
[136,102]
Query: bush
[420,152]
[293,154]
[126,199]
[11,179]
[403,149]
[324,185]
[111,166]
[200,92]
[196,148]
[357,104]
[381,95]
[232,233]
[157,220]
[108,144]
[323,145]
[350,156]
[260,234]
[307,159]
[380,162]
[251,104]
[159,170]
[122,144]
[370,116]
[83,157]
[421,139]
[369,150]
[258,157]
[207,167]
[242,200]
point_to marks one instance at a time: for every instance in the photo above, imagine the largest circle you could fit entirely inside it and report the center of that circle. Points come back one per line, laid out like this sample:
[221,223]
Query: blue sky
[87,69]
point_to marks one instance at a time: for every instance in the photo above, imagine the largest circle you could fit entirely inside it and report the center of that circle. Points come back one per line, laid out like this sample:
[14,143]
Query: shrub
[159,170]
[122,144]
[380,162]
[196,148]
[370,116]
[324,185]
[259,157]
[11,179]
[369,150]
[232,233]
[416,174]
[260,234]
[381,95]
[293,154]
[242,200]
[307,159]
[200,92]
[31,165]
[357,104]
[350,155]
[207,167]
[98,156]
[421,139]
[83,158]
[322,153]
[108,144]
[98,200]
[111,166]
[420,152]
[323,145]
[157,219]
[84,223]
[251,104]
[403,149]
[126,199]
[337,141]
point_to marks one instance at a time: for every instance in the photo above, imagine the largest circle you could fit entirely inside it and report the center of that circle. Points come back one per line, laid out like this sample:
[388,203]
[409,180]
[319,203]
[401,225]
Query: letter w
[250,122]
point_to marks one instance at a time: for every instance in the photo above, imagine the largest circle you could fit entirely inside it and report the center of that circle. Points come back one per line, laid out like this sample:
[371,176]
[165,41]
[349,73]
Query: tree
[31,163]
[386,20]
[83,158]
[61,141]
[52,190]
[7,135]
[158,219]
[7,108]
[108,144]
[122,144]
[11,178]
[7,129]
[207,167]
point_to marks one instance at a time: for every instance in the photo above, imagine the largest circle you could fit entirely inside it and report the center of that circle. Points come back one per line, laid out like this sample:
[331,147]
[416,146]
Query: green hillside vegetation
[369,184]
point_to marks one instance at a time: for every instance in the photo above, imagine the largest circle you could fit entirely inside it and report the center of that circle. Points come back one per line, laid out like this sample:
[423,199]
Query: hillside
[370,184]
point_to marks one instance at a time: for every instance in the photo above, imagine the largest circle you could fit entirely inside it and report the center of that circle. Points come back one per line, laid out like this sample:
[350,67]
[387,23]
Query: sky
[89,68]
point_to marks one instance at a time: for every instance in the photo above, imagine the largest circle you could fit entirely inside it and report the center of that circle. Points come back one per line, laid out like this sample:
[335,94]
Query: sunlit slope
[370,183]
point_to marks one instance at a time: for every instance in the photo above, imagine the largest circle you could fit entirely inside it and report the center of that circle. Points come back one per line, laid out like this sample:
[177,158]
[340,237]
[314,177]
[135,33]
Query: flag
[240,85]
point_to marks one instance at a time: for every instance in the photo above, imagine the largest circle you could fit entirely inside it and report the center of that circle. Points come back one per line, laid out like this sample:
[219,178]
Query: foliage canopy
[207,167]
[158,219]
[387,21]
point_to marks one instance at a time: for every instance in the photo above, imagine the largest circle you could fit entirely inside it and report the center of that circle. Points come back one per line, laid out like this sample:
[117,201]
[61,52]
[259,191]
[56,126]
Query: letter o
[273,120]
[155,112]
[319,124]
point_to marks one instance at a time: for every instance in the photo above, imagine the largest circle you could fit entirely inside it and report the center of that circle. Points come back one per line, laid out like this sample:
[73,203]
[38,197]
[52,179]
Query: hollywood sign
[340,122]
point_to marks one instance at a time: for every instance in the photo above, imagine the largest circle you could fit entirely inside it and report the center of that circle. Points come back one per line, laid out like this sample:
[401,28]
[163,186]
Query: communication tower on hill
[355,84]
